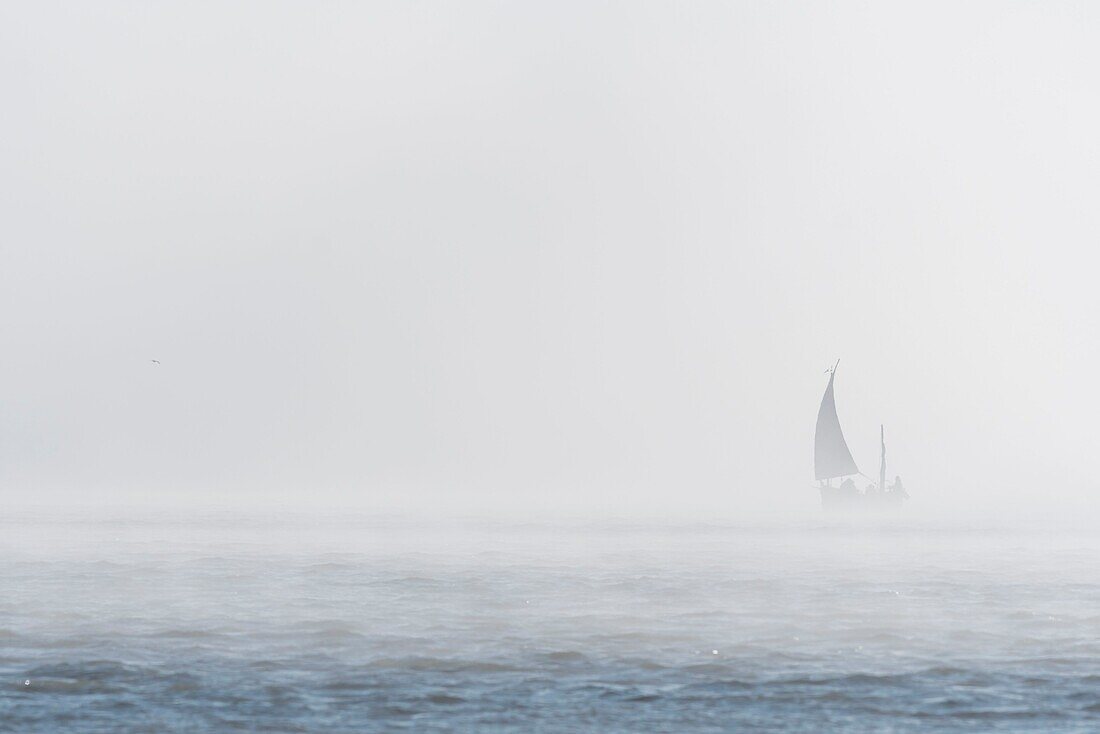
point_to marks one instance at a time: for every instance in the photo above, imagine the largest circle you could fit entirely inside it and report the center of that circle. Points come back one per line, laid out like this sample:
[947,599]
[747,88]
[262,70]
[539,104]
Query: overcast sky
[578,256]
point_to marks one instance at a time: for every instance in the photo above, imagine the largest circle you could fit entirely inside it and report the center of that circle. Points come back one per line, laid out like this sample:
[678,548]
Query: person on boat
[848,487]
[898,487]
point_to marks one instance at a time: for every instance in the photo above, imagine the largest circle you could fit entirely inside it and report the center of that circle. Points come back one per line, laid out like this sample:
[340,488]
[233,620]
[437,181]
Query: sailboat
[833,461]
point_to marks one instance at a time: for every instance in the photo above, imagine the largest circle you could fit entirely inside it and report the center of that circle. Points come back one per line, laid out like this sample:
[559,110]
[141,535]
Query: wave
[102,677]
[443,665]
[566,657]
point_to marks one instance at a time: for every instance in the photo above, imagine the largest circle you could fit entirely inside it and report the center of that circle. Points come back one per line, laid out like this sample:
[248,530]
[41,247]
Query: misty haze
[558,367]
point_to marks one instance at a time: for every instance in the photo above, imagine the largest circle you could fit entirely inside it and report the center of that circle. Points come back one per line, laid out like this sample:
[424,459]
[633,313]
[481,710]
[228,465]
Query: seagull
[155,361]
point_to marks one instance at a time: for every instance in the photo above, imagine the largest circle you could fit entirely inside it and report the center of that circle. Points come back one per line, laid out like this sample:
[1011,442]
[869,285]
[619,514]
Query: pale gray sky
[577,256]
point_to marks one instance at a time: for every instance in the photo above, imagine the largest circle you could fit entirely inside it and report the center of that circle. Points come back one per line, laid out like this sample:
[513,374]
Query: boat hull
[851,499]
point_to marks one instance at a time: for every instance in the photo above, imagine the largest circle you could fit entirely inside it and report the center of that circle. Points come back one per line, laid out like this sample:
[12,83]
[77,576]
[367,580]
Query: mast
[882,460]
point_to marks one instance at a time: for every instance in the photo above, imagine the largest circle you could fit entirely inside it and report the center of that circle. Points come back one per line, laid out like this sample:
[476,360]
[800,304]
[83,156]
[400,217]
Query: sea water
[292,624]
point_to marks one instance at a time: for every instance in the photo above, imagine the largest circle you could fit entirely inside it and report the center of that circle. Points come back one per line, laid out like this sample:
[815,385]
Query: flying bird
[155,361]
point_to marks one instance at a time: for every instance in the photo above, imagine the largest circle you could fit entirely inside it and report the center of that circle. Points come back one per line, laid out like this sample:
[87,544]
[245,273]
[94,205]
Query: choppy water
[346,626]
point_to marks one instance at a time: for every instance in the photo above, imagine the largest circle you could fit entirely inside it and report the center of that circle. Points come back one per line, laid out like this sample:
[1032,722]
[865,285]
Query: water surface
[283,624]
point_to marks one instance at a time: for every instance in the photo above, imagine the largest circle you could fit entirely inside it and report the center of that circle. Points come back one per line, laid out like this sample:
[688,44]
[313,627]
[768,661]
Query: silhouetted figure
[899,487]
[848,487]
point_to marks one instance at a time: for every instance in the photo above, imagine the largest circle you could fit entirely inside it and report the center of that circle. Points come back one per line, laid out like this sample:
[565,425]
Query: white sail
[831,455]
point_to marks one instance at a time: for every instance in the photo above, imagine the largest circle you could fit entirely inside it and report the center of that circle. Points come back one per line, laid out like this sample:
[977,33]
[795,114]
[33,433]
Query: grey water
[230,622]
